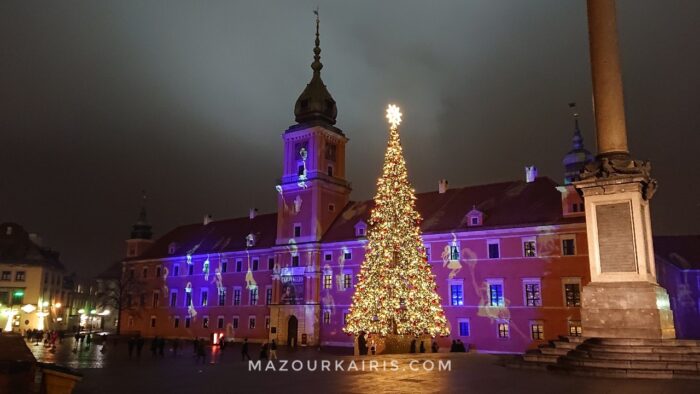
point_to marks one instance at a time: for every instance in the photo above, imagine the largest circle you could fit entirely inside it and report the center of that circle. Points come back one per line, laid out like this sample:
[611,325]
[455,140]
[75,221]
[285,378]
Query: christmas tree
[396,291]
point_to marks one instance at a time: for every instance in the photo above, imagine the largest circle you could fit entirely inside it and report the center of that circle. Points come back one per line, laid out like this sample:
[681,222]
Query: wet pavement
[224,372]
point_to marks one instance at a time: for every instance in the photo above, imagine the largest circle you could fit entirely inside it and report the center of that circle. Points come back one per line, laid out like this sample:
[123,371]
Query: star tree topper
[393,114]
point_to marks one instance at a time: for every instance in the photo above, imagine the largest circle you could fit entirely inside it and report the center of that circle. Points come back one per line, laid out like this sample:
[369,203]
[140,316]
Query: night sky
[188,100]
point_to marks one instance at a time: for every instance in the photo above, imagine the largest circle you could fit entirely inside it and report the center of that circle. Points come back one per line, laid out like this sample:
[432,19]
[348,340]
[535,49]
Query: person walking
[139,346]
[244,350]
[201,354]
[88,341]
[435,347]
[132,343]
[263,351]
[422,347]
[273,350]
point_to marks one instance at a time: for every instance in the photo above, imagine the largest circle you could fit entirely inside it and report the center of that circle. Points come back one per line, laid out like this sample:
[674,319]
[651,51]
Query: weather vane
[393,115]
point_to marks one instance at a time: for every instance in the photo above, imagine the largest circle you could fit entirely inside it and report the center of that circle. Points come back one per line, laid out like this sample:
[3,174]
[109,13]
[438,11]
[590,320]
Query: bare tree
[118,294]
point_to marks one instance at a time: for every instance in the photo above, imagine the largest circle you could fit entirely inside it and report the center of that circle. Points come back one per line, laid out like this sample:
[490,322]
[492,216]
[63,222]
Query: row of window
[20,276]
[529,248]
[328,281]
[532,292]
[503,329]
[204,297]
[220,322]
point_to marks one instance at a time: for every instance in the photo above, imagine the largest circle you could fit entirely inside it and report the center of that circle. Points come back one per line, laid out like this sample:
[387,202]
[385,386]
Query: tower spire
[141,229]
[315,104]
[577,158]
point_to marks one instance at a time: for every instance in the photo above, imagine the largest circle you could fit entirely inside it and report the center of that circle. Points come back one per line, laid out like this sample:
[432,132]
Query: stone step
[630,364]
[645,342]
[640,349]
[540,358]
[637,356]
[577,340]
[618,372]
[561,345]
[554,350]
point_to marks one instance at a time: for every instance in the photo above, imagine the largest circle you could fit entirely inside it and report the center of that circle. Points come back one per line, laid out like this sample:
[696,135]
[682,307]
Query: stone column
[607,80]
[623,299]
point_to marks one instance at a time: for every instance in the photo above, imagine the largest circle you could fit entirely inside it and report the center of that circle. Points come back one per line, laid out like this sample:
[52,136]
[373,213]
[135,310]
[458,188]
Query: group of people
[135,343]
[266,350]
[49,338]
[458,346]
[433,347]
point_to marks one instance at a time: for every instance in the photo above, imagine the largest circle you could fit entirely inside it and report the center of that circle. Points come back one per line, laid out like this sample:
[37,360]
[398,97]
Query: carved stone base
[626,310]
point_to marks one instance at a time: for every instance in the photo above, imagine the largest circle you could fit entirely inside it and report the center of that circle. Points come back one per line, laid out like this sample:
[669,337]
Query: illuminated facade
[509,258]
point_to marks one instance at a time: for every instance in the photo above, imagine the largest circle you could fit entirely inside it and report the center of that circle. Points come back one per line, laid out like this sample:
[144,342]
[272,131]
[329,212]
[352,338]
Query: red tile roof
[683,251]
[216,237]
[506,204]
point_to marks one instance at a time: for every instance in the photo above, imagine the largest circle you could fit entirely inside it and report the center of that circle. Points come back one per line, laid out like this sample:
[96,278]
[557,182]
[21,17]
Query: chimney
[530,173]
[442,186]
[36,239]
[208,219]
[252,213]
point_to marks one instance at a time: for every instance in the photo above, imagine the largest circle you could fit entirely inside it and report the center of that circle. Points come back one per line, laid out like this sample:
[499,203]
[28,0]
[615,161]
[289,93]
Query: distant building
[32,295]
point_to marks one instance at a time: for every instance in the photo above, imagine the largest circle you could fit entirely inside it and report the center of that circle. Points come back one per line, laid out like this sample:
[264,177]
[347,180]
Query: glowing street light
[57,305]
[29,308]
[81,311]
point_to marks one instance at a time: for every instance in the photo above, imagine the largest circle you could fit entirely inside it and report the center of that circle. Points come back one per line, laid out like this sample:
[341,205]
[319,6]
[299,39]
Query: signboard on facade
[292,290]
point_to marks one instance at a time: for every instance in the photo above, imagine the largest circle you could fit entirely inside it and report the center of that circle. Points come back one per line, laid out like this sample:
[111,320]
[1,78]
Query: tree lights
[396,291]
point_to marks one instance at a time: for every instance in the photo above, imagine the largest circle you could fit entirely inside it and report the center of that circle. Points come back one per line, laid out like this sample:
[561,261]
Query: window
[190,269]
[271,263]
[236,296]
[457,294]
[331,207]
[463,326]
[251,322]
[220,322]
[495,288]
[205,322]
[330,152]
[156,297]
[176,270]
[222,296]
[572,293]
[348,255]
[224,267]
[204,297]
[295,261]
[239,265]
[153,321]
[503,330]
[188,321]
[297,230]
[475,220]
[256,263]
[6,275]
[568,246]
[20,276]
[171,248]
[234,322]
[145,272]
[268,296]
[454,252]
[158,271]
[300,169]
[173,298]
[253,296]
[427,252]
[533,295]
[347,281]
[267,322]
[529,248]
[188,298]
[327,281]
[575,328]
[537,330]
[494,249]
[326,317]
[330,170]
[176,322]
[328,256]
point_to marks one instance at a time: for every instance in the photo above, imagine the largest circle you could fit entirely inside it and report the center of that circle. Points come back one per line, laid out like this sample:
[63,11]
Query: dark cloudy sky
[188,100]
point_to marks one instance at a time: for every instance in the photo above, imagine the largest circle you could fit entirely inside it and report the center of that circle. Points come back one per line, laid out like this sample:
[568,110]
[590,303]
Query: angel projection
[396,291]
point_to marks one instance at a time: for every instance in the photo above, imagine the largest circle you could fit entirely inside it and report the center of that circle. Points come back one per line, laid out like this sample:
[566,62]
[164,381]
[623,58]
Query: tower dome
[577,157]
[315,103]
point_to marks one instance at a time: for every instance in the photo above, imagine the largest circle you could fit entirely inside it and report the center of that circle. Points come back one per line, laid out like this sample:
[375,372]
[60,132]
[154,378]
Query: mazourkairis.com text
[349,366]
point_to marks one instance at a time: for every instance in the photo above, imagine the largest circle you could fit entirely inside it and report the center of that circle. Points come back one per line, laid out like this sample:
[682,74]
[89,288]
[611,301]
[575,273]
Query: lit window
[222,296]
[205,297]
[20,276]
[572,293]
[237,297]
[268,296]
[575,328]
[6,275]
[456,294]
[532,293]
[326,317]
[254,296]
[347,281]
[267,322]
[327,281]
[529,248]
[463,325]
[454,252]
[251,322]
[496,294]
[503,330]
[205,322]
[537,330]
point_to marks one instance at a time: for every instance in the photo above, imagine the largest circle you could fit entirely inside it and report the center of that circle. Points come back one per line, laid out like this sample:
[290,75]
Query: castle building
[510,258]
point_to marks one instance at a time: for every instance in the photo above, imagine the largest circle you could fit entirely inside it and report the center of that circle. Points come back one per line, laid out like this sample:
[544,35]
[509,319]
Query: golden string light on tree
[396,291]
